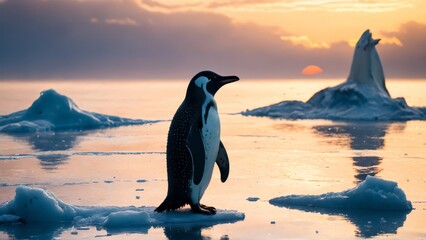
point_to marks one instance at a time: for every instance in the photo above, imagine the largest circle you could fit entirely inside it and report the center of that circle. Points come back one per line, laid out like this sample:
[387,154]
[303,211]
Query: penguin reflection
[193,232]
[184,232]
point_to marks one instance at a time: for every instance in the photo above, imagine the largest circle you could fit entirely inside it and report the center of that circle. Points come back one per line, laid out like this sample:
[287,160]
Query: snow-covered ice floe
[53,111]
[375,206]
[371,194]
[363,96]
[36,206]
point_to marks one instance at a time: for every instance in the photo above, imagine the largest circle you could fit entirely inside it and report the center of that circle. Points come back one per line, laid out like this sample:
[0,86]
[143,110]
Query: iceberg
[363,96]
[53,111]
[35,206]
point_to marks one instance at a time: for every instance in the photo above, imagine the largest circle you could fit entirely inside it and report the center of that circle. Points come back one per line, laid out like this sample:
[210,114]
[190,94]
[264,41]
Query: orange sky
[311,23]
[169,38]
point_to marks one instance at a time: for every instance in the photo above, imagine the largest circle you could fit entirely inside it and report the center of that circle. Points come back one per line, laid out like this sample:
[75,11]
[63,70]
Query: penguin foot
[211,209]
[203,209]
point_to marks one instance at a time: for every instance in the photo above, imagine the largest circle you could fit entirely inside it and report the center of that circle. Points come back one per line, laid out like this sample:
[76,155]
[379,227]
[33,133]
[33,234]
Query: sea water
[269,158]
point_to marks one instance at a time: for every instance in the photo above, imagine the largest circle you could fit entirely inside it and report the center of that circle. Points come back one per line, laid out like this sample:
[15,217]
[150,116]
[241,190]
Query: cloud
[321,5]
[123,21]
[276,6]
[118,39]
[370,6]
[408,58]
[238,3]
[116,21]
[166,7]
[391,40]
[304,41]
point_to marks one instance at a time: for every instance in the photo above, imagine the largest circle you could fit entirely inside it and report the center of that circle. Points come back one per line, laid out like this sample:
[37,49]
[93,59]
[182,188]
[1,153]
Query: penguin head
[207,82]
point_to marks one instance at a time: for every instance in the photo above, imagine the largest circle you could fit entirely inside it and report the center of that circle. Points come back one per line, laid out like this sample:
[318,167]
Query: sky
[72,39]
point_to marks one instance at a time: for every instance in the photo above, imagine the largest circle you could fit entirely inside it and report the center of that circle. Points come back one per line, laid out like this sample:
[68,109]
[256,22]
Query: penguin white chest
[211,140]
[211,137]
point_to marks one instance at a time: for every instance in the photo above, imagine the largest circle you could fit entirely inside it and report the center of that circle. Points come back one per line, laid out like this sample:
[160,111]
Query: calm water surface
[269,158]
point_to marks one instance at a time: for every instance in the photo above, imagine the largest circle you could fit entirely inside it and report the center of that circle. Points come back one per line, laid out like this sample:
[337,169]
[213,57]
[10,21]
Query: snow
[373,194]
[35,205]
[129,218]
[363,96]
[53,111]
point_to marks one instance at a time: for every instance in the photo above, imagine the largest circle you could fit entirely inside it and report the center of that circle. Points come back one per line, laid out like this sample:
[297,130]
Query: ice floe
[375,206]
[38,206]
[253,199]
[363,96]
[53,111]
[371,194]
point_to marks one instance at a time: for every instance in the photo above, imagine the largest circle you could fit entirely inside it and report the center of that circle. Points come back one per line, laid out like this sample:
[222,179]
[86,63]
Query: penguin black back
[179,163]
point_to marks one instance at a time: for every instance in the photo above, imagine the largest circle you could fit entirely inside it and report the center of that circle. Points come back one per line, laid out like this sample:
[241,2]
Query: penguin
[194,145]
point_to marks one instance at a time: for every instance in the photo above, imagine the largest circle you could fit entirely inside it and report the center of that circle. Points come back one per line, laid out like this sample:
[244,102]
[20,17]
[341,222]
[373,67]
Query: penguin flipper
[195,146]
[222,162]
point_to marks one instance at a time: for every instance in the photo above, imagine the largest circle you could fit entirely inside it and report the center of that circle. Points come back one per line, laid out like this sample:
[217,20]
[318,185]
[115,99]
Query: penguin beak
[219,81]
[227,79]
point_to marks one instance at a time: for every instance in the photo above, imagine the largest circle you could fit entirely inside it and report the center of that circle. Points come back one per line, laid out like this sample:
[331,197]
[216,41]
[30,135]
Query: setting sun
[312,70]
